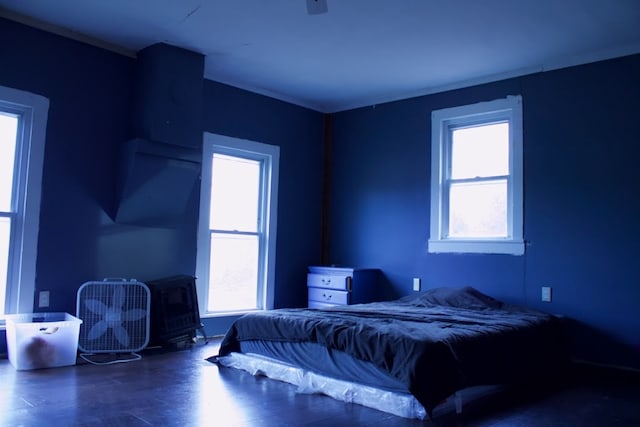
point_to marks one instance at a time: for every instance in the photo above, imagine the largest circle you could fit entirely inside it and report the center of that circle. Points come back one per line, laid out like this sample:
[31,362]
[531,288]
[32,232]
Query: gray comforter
[436,342]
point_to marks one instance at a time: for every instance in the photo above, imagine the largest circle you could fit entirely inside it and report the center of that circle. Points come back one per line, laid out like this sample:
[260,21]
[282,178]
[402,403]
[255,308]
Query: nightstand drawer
[329,281]
[328,296]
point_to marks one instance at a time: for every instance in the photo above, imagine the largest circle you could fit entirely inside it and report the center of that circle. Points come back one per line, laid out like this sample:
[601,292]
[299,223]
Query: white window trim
[231,146]
[509,108]
[33,110]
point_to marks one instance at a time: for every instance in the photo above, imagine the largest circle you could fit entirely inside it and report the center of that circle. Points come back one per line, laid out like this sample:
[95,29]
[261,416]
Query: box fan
[115,316]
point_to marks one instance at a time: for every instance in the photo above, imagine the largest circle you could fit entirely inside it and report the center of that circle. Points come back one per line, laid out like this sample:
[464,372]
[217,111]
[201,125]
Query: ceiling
[360,52]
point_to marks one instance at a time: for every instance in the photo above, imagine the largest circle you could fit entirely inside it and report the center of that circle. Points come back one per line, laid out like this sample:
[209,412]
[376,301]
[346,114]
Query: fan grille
[115,316]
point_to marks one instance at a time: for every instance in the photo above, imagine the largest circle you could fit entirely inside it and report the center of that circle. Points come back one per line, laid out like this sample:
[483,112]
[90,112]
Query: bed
[407,356]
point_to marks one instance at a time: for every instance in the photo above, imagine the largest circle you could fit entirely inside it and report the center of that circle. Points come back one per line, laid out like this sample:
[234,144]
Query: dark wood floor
[180,388]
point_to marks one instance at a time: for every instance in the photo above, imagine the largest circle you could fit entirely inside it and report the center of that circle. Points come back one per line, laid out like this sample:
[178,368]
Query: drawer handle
[326,281]
[327,297]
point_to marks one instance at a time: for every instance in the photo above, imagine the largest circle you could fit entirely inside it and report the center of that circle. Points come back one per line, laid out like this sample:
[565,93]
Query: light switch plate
[546,293]
[43,299]
[317,7]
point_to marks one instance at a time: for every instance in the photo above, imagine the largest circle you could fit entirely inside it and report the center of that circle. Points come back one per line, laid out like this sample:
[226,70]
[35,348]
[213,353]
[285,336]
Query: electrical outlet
[546,294]
[416,284]
[43,299]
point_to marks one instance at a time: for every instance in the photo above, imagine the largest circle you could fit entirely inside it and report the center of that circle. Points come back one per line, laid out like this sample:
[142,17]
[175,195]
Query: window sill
[506,247]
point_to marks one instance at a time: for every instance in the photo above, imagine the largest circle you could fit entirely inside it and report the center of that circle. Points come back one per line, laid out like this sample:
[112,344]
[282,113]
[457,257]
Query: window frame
[32,111]
[270,155]
[442,122]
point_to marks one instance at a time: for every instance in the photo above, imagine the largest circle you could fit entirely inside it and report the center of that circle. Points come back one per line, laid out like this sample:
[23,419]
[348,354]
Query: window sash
[449,182]
[448,229]
[224,208]
[235,287]
[259,211]
[11,127]
[8,161]
[5,251]
[483,127]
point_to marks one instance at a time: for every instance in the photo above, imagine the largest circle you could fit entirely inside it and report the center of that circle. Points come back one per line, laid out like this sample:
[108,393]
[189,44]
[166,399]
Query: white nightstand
[331,286]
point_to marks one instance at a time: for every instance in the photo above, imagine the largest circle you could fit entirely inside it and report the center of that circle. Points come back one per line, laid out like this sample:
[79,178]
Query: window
[476,178]
[23,122]
[237,226]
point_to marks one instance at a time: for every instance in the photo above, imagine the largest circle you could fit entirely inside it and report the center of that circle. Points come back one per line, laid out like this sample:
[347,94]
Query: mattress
[396,403]
[432,344]
[325,361]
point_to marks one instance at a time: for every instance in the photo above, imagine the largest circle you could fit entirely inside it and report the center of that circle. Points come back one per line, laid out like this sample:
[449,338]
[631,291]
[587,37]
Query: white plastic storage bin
[42,340]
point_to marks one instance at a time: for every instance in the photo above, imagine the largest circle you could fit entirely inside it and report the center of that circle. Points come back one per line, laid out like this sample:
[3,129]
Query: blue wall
[581,155]
[581,148]
[89,91]
[90,117]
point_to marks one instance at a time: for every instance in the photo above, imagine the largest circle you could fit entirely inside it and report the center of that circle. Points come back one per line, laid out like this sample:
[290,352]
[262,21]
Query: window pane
[8,129]
[233,272]
[5,227]
[480,151]
[235,190]
[478,209]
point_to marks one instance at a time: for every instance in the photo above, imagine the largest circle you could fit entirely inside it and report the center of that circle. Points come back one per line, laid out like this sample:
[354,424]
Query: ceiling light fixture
[317,7]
